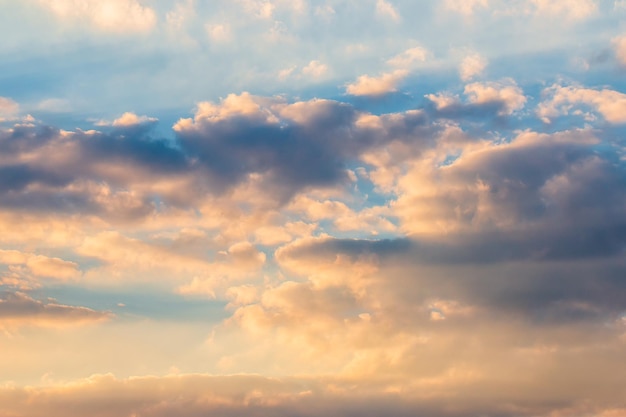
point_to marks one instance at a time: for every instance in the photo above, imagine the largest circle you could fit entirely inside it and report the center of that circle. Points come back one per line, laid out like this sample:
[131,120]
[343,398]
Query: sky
[313,208]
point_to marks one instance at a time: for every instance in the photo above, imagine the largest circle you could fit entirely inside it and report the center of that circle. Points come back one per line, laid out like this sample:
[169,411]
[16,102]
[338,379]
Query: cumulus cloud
[471,66]
[507,92]
[409,58]
[561,100]
[122,16]
[128,119]
[502,97]
[385,83]
[315,69]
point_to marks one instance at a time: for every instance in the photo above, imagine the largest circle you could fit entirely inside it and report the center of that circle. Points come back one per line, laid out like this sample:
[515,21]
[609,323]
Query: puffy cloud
[128,119]
[507,92]
[561,100]
[123,16]
[502,97]
[409,58]
[386,83]
[471,66]
[315,69]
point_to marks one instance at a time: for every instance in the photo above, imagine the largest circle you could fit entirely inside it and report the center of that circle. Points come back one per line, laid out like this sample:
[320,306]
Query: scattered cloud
[315,69]
[562,100]
[471,66]
[409,58]
[385,83]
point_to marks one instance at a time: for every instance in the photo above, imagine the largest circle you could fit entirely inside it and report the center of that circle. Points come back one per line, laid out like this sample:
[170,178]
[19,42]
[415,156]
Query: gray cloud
[17,308]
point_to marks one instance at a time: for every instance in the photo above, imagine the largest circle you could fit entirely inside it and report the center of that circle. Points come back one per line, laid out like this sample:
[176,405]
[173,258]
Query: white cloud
[377,86]
[315,69]
[127,119]
[610,104]
[471,66]
[386,9]
[505,91]
[111,16]
[409,58]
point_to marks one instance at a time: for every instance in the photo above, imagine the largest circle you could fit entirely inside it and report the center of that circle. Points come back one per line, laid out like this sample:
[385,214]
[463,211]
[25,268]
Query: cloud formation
[121,16]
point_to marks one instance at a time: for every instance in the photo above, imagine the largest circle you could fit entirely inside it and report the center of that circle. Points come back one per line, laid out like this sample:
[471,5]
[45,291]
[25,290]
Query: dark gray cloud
[49,169]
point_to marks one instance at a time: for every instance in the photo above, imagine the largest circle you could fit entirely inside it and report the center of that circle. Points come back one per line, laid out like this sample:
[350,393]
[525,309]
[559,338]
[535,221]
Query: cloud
[471,66]
[194,395]
[465,7]
[315,69]
[118,16]
[39,265]
[506,91]
[8,109]
[619,45]
[128,119]
[386,9]
[409,58]
[386,83]
[19,309]
[502,97]
[561,100]
[219,32]
[572,9]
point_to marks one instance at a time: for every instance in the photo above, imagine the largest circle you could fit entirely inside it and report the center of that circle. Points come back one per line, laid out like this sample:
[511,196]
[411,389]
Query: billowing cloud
[471,66]
[437,251]
[561,100]
[502,97]
[409,58]
[385,83]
